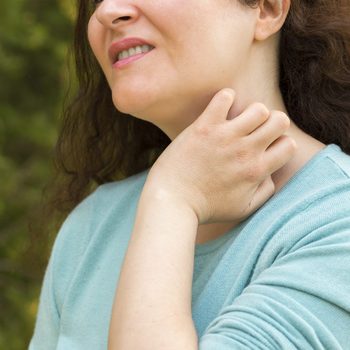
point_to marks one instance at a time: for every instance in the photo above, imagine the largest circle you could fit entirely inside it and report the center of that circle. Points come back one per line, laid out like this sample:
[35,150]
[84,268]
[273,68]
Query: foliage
[33,56]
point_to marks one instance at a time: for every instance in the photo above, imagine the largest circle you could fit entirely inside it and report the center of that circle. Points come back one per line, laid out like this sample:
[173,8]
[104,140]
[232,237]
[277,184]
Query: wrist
[157,196]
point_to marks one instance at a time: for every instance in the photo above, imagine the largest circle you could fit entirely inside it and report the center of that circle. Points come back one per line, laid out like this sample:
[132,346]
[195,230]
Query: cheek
[95,38]
[91,33]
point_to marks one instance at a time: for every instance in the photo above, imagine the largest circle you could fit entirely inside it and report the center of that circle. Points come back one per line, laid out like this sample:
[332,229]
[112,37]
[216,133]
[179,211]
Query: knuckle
[202,130]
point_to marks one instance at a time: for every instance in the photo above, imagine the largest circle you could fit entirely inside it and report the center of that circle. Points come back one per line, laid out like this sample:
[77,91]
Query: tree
[33,56]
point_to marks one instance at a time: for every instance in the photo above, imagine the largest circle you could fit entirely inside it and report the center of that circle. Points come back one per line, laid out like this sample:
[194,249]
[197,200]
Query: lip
[124,44]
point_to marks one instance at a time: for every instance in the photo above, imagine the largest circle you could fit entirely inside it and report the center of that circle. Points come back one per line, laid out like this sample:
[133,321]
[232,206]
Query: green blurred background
[35,37]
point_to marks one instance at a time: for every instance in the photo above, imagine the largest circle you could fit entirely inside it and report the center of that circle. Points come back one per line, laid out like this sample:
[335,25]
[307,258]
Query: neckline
[214,244]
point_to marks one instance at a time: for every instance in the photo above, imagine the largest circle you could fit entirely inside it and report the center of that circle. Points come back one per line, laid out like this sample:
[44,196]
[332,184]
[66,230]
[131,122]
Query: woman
[188,250]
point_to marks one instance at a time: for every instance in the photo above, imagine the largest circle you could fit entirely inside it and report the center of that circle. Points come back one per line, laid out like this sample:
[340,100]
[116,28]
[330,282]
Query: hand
[221,168]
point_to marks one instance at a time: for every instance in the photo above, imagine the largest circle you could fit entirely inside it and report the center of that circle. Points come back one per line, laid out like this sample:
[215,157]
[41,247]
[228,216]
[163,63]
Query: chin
[138,104]
[161,107]
[128,103]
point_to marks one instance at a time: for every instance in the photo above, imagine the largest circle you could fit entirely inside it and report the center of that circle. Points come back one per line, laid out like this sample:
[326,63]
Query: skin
[177,90]
[214,123]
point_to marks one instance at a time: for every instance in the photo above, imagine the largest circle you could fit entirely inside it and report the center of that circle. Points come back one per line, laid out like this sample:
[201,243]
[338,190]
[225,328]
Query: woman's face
[200,47]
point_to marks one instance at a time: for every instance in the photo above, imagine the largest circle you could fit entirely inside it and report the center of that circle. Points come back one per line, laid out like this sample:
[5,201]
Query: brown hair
[98,144]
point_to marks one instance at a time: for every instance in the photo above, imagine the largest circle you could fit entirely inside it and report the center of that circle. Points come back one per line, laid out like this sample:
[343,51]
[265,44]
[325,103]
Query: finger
[254,116]
[219,106]
[279,153]
[264,191]
[276,125]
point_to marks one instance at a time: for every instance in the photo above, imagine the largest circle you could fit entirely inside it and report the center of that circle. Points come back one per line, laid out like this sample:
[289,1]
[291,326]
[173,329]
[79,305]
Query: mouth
[133,51]
[128,48]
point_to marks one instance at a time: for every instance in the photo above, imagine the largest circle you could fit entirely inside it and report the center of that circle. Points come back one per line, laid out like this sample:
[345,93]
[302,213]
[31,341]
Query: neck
[307,147]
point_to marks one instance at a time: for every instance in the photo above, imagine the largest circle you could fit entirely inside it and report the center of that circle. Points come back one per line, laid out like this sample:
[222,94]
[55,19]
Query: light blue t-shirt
[280,280]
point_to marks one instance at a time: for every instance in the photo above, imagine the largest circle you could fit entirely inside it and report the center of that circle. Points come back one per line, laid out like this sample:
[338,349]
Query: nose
[113,13]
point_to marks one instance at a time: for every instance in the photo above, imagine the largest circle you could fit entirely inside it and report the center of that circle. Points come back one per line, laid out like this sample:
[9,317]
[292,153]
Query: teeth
[134,51]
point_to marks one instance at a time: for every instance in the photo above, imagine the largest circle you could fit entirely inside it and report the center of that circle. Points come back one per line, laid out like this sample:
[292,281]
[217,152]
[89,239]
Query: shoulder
[104,211]
[321,190]
[340,160]
[325,179]
[113,197]
[312,210]
[289,265]
[119,192]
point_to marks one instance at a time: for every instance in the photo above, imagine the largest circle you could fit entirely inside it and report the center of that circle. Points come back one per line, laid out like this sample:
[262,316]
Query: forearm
[152,308]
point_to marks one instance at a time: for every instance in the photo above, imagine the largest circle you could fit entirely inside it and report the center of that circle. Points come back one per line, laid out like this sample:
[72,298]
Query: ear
[271,17]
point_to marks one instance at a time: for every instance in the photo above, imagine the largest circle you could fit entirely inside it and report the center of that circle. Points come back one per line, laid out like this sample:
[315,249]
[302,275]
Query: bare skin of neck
[307,148]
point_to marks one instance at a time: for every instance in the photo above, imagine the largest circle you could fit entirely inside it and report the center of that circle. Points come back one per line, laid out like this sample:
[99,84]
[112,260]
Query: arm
[152,308]
[47,323]
[215,170]
[300,301]
[69,246]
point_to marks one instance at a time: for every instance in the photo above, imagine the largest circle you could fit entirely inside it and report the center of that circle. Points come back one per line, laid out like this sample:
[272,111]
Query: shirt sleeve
[47,322]
[302,301]
[70,244]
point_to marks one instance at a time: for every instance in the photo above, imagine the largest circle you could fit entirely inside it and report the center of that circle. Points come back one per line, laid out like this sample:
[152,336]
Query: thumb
[219,106]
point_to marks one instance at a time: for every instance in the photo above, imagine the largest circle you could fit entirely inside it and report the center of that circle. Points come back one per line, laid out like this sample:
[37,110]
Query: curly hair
[99,144]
